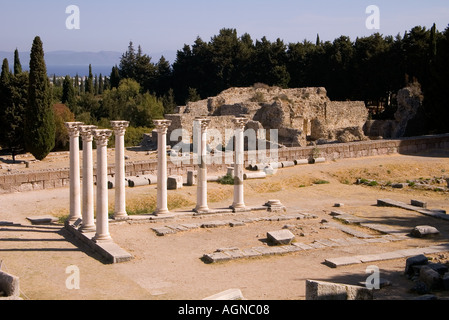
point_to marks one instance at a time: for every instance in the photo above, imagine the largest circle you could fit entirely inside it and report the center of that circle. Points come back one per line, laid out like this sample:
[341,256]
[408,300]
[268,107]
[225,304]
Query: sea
[72,71]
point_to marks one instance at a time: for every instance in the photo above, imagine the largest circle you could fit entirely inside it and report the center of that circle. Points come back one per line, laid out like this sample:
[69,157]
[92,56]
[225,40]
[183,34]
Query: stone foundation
[58,178]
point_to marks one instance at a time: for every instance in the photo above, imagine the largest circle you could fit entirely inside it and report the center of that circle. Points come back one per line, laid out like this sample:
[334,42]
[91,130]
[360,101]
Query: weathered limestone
[231,294]
[192,177]
[9,284]
[174,182]
[239,164]
[319,290]
[88,224]
[162,127]
[201,205]
[101,138]
[281,237]
[75,188]
[119,128]
[424,231]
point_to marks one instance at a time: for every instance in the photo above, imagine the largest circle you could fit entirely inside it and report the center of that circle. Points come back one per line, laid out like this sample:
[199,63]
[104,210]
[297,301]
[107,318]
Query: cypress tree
[89,83]
[39,116]
[17,64]
[5,98]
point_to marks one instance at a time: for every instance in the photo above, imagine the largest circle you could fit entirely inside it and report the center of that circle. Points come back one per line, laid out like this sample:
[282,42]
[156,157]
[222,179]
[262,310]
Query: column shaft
[239,202]
[162,127]
[119,128]
[101,138]
[202,167]
[88,182]
[75,188]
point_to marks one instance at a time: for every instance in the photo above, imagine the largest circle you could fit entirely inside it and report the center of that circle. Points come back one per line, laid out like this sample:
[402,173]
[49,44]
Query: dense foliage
[371,69]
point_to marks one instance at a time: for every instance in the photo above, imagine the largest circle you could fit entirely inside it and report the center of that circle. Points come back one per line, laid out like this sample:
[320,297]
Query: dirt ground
[171,268]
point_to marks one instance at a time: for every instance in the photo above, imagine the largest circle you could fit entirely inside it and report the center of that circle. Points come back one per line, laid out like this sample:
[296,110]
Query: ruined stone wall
[50,179]
[290,111]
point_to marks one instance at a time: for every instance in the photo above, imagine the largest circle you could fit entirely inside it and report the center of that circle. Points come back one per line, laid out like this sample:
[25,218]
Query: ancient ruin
[300,115]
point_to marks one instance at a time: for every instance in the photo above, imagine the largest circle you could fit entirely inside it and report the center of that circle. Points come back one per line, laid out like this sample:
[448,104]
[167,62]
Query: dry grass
[391,172]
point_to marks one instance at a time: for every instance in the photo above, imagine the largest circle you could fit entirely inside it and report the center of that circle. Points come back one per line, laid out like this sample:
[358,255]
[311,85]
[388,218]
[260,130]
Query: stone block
[281,237]
[414,261]
[424,231]
[231,294]
[174,182]
[430,277]
[418,203]
[446,281]
[319,290]
[42,220]
[9,284]
[342,261]
[192,178]
[216,257]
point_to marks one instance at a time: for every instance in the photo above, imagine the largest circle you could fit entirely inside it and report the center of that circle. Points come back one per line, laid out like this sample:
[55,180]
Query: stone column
[119,128]
[201,197]
[75,188]
[88,180]
[101,138]
[162,127]
[239,163]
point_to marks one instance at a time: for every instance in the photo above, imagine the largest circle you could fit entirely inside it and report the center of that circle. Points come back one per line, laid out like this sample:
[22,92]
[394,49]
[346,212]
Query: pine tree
[115,77]
[39,116]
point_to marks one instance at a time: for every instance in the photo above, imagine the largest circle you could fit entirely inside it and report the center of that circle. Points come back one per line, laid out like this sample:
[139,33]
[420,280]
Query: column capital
[119,127]
[162,125]
[73,128]
[102,137]
[86,132]
[204,123]
[240,123]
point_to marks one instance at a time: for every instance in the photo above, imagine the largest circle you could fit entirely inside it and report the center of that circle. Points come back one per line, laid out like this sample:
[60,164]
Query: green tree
[5,98]
[14,111]
[68,94]
[39,116]
[114,79]
[17,64]
[89,84]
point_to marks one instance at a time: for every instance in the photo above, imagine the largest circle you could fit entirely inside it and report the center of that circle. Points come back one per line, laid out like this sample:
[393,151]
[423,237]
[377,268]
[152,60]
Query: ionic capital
[102,137]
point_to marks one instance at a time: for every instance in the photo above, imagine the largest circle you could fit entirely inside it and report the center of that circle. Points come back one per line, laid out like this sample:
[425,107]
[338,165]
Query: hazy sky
[168,25]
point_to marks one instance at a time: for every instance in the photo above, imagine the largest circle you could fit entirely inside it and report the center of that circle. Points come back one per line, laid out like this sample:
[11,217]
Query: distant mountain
[71,62]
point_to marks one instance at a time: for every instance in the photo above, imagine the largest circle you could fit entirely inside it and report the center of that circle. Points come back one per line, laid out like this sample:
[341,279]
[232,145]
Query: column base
[161,211]
[73,220]
[239,206]
[201,209]
[88,229]
[121,216]
[102,239]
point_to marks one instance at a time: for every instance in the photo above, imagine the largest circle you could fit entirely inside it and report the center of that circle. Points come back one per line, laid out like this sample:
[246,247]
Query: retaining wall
[57,178]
